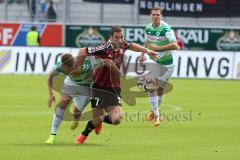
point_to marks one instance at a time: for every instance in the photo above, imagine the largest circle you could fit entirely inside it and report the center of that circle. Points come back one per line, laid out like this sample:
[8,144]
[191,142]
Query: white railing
[77,11]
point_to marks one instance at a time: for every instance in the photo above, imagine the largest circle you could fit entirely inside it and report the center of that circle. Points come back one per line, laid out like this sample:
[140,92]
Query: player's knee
[160,91]
[116,119]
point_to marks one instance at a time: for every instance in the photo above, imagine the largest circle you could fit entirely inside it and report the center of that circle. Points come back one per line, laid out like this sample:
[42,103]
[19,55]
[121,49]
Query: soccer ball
[147,83]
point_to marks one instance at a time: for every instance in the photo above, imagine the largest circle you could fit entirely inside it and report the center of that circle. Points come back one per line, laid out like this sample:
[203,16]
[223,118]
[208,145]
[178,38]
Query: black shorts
[105,96]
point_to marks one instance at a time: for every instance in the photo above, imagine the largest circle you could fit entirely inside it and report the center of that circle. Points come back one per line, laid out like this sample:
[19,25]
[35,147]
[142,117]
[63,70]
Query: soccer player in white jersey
[160,38]
[73,88]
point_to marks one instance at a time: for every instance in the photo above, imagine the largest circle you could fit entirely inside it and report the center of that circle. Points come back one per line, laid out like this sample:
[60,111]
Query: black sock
[106,119]
[89,128]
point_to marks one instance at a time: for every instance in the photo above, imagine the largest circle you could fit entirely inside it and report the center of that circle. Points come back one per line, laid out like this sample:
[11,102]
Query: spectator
[180,42]
[232,37]
[33,38]
[13,1]
[51,14]
[42,9]
[31,9]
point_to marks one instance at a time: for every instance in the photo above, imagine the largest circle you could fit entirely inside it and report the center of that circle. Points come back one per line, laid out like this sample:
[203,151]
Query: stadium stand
[78,11]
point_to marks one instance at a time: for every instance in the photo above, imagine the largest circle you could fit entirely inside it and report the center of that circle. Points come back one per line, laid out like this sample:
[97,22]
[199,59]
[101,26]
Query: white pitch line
[175,108]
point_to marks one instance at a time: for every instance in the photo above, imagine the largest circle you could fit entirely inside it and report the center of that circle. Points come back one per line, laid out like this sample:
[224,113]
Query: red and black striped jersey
[105,51]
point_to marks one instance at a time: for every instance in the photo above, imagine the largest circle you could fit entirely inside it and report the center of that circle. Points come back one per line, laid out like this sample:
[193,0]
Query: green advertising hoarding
[193,38]
[82,36]
[210,39]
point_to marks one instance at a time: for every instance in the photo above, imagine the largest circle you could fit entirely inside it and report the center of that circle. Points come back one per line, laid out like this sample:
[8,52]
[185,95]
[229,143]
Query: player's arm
[171,46]
[57,69]
[82,54]
[170,36]
[51,97]
[112,67]
[137,48]
[142,58]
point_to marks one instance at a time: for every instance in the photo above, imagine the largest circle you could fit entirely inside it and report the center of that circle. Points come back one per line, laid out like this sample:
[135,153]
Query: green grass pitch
[202,122]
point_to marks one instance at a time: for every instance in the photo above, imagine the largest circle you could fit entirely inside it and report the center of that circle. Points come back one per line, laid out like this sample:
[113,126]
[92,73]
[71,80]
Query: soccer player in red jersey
[106,87]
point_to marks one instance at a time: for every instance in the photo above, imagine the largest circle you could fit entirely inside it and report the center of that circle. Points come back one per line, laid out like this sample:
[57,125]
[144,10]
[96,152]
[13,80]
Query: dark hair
[156,9]
[67,60]
[115,29]
[51,2]
[33,28]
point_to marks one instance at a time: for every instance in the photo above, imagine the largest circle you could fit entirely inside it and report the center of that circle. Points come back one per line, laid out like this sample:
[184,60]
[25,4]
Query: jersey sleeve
[170,34]
[126,45]
[57,69]
[98,50]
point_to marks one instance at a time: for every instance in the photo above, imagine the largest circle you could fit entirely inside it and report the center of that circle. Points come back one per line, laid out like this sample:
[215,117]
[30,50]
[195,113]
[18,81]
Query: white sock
[153,99]
[160,99]
[57,119]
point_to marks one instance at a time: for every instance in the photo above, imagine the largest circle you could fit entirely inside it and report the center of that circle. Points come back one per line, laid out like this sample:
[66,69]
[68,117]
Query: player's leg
[91,125]
[58,117]
[113,107]
[103,97]
[96,119]
[154,114]
[108,97]
[80,102]
[163,81]
[67,93]
[76,116]
[153,97]
[114,115]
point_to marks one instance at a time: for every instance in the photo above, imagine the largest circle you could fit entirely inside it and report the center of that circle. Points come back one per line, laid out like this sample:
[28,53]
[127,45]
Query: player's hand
[153,54]
[142,59]
[75,73]
[51,100]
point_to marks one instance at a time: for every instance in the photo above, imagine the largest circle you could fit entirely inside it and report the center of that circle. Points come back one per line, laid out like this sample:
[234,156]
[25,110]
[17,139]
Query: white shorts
[81,102]
[168,73]
[74,90]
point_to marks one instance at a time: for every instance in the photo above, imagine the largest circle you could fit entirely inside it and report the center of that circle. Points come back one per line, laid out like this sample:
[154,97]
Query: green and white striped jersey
[86,75]
[162,35]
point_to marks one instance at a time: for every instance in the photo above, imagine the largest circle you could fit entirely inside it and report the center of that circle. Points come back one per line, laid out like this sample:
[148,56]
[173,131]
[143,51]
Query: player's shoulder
[58,65]
[165,25]
[149,27]
[57,68]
